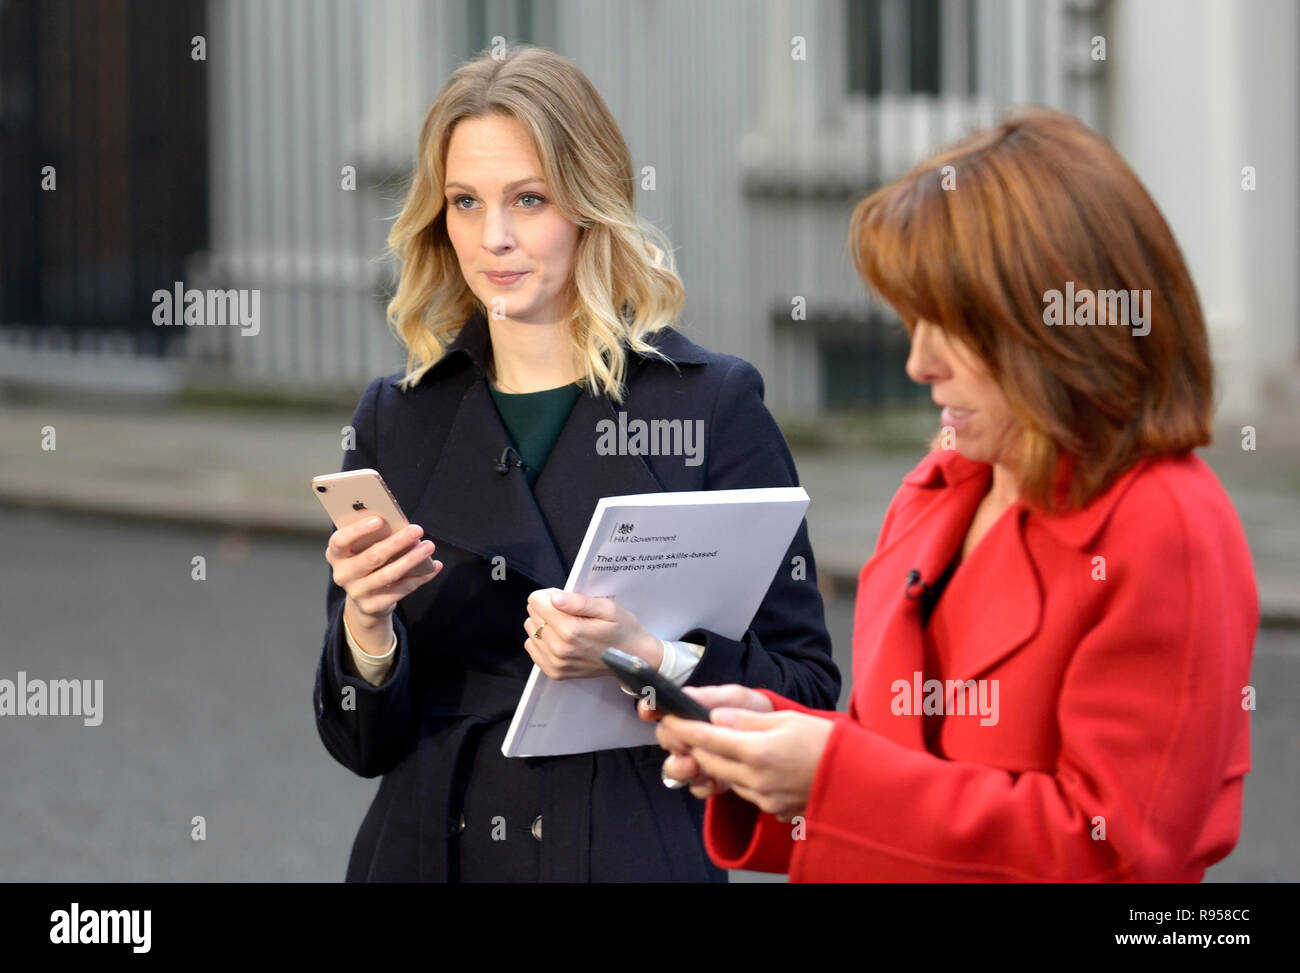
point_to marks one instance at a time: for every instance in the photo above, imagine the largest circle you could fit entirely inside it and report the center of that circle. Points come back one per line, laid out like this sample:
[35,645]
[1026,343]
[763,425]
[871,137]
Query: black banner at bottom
[138,922]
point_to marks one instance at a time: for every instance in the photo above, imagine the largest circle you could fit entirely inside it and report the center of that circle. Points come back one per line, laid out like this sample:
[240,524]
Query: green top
[534,421]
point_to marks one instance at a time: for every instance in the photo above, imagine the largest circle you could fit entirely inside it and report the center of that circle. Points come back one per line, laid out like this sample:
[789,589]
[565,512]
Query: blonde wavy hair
[624,286]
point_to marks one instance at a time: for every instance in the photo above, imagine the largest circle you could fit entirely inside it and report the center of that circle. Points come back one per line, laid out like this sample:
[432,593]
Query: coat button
[458,826]
[537,827]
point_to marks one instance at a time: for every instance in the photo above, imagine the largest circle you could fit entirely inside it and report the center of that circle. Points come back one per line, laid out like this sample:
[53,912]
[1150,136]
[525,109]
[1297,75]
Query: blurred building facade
[758,125]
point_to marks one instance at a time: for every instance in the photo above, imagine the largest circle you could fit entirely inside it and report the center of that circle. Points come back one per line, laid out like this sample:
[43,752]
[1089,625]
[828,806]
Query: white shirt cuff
[680,660]
[373,669]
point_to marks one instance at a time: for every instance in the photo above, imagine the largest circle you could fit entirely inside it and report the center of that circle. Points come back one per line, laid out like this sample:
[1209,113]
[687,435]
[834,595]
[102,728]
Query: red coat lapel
[992,607]
[924,529]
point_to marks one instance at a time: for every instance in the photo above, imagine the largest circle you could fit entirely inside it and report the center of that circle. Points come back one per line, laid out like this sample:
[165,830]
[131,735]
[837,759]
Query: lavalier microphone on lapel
[504,463]
[915,586]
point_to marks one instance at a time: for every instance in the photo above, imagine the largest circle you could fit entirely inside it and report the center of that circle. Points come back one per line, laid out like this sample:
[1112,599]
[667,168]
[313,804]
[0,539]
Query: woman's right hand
[680,765]
[374,586]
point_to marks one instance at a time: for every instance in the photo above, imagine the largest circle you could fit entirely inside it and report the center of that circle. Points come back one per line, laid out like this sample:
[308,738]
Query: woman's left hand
[769,759]
[576,629]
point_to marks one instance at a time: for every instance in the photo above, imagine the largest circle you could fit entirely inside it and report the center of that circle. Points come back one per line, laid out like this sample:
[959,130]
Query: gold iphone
[358,494]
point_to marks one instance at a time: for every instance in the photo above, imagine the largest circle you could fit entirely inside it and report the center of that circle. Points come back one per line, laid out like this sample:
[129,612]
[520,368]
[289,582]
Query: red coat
[1120,738]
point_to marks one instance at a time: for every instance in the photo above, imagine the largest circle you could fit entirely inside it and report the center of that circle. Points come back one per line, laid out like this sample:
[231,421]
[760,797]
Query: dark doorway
[106,93]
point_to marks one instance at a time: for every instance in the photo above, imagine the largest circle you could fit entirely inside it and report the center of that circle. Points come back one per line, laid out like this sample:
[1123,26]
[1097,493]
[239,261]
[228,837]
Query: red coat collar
[942,469]
[926,524]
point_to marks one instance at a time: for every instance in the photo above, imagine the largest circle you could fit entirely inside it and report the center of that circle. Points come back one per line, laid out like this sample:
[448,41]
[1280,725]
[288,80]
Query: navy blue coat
[461,665]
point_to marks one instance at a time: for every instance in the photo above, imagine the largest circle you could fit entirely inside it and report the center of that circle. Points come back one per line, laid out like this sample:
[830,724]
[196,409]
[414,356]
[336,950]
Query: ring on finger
[672,783]
[538,634]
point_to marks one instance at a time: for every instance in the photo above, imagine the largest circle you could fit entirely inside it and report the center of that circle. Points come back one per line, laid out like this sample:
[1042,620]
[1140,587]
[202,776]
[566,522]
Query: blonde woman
[533,305]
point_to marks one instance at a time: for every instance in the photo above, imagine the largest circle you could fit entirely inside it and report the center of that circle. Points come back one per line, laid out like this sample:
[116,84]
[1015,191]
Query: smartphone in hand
[357,494]
[636,675]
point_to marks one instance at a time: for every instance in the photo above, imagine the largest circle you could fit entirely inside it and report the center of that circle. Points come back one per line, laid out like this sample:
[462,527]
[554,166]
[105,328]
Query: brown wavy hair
[1036,203]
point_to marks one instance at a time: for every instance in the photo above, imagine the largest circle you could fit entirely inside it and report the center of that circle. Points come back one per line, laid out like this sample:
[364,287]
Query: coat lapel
[997,607]
[575,477]
[887,633]
[470,505]
[993,603]
[467,503]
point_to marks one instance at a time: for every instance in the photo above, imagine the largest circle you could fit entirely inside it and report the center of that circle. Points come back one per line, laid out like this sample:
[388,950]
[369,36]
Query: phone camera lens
[320,489]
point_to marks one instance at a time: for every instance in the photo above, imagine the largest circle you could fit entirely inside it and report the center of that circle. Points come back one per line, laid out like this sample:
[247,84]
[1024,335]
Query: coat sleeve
[738,835]
[787,647]
[366,728]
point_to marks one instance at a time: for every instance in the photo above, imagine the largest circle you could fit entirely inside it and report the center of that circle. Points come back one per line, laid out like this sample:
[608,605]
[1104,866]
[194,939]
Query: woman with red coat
[1052,641]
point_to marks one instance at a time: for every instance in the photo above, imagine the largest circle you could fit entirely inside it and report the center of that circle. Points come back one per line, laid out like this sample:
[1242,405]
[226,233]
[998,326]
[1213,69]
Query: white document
[678,561]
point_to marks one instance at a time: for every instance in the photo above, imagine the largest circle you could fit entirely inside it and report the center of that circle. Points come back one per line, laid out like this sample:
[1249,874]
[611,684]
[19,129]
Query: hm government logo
[624,532]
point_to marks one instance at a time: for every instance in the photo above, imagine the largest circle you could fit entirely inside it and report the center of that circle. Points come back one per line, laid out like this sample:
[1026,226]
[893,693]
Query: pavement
[250,469]
[206,711]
